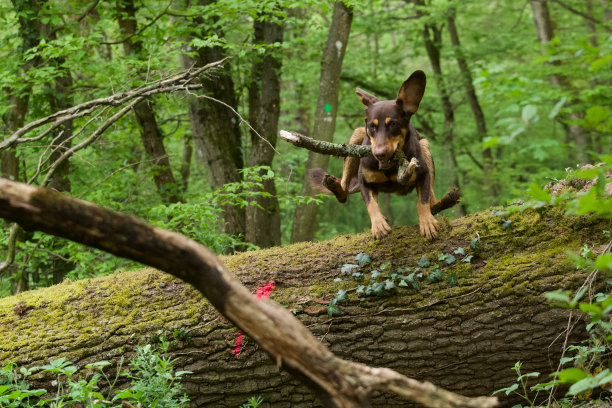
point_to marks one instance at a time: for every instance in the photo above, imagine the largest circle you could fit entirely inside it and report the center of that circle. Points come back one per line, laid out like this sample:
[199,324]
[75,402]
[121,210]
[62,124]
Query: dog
[387,130]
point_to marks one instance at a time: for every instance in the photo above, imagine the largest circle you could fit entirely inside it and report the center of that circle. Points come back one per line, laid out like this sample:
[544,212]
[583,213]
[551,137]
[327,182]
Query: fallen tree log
[462,330]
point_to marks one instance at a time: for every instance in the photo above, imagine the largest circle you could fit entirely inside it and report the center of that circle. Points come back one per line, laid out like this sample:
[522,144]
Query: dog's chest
[386,181]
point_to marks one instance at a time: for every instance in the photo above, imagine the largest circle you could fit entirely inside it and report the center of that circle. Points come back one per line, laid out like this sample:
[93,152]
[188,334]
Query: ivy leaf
[389,285]
[452,278]
[436,275]
[424,262]
[375,274]
[467,259]
[474,245]
[363,259]
[341,295]
[459,251]
[348,268]
[449,259]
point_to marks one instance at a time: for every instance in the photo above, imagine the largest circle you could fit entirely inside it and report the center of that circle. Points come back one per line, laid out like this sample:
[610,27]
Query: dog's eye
[392,124]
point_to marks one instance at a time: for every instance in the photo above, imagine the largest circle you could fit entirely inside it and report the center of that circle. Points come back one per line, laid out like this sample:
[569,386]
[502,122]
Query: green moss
[123,309]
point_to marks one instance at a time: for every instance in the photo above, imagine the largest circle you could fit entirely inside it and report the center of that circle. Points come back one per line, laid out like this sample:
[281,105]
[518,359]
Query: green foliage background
[526,115]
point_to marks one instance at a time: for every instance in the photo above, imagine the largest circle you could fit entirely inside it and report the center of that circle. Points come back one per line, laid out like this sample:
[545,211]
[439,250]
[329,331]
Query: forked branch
[339,383]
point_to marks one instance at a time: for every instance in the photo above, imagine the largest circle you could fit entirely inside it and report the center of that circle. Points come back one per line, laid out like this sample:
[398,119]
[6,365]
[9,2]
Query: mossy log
[464,337]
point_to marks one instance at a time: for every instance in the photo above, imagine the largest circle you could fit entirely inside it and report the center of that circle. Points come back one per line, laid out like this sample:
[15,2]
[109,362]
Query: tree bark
[304,219]
[215,127]
[464,337]
[470,91]
[432,38]
[30,27]
[150,133]
[263,223]
[336,382]
[545,30]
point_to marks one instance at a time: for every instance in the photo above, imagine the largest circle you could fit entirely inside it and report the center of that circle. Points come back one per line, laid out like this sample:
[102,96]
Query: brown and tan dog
[388,129]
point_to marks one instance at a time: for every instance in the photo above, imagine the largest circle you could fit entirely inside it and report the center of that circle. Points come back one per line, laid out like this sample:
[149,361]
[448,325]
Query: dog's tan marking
[428,225]
[387,120]
[371,176]
[430,166]
[380,226]
[351,164]
[375,122]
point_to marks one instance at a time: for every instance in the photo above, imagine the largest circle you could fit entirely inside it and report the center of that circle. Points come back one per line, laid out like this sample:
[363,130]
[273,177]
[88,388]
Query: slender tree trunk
[215,127]
[263,223]
[432,38]
[150,133]
[481,125]
[186,161]
[606,11]
[30,28]
[545,30]
[304,219]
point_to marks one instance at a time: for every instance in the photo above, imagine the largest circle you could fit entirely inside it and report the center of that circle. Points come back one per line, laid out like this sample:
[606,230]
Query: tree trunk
[304,219]
[544,28]
[464,337]
[215,128]
[150,133]
[30,28]
[606,11]
[186,161]
[263,223]
[336,382]
[481,125]
[432,38]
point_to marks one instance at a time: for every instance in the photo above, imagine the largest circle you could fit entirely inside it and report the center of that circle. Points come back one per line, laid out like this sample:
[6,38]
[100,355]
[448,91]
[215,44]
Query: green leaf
[452,278]
[424,262]
[506,390]
[348,268]
[558,296]
[595,115]
[459,251]
[363,259]
[341,295]
[604,262]
[555,110]
[572,375]
[536,192]
[530,113]
[490,142]
[474,244]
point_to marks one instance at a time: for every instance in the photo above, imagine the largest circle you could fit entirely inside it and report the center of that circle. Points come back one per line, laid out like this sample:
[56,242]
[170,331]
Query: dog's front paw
[380,228]
[428,226]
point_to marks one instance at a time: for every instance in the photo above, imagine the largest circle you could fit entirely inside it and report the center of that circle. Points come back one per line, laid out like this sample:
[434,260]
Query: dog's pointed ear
[366,98]
[412,90]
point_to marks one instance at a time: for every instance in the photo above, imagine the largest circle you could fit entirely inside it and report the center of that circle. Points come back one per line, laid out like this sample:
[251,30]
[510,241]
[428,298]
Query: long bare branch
[179,82]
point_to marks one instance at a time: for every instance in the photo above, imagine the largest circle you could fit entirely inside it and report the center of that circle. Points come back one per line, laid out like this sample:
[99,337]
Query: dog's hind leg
[342,188]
